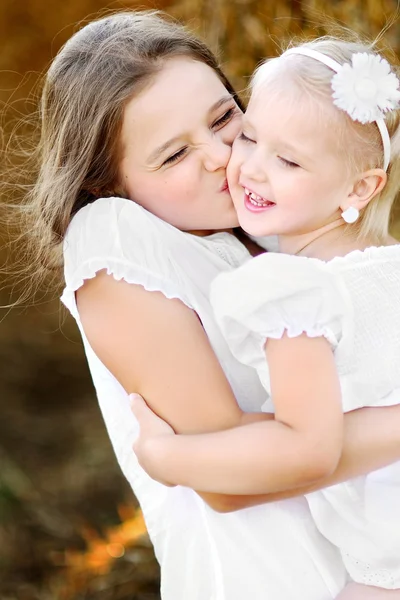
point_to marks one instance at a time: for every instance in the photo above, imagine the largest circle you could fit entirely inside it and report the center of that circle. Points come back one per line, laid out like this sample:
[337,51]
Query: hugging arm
[301,445]
[158,348]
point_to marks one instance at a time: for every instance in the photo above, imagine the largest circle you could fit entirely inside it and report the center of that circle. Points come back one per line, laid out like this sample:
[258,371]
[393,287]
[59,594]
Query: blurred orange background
[68,526]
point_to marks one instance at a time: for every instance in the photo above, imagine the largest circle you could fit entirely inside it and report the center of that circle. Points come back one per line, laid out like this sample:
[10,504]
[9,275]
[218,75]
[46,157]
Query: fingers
[138,405]
[151,424]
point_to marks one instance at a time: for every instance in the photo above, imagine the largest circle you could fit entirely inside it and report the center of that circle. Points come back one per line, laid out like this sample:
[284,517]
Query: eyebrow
[285,145]
[298,150]
[161,149]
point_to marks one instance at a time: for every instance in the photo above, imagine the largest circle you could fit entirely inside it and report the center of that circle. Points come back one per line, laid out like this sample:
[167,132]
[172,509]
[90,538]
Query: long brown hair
[85,91]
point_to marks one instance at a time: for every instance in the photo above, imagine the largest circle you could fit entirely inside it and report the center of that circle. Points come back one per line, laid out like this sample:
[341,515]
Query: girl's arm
[158,347]
[134,334]
[371,441]
[302,445]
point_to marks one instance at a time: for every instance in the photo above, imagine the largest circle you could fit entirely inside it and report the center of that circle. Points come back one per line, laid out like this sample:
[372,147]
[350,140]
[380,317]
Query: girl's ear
[365,189]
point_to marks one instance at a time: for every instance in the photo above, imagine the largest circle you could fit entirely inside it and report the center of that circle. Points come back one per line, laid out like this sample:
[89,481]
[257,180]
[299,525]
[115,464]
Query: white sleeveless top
[270,551]
[354,302]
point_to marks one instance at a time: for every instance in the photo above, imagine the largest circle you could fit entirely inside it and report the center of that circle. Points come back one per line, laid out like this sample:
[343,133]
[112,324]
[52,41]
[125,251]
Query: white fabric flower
[366,89]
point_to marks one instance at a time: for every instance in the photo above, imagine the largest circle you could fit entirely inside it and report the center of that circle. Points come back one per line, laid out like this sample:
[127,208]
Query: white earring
[351,214]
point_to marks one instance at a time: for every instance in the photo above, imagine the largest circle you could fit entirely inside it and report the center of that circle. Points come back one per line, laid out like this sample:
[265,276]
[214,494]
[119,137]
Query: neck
[315,243]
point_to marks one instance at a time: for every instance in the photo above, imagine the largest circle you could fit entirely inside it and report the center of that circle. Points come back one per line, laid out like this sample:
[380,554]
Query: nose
[216,154]
[253,167]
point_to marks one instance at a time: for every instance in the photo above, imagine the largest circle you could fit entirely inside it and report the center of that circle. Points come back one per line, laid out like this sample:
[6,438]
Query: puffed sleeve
[126,240]
[277,293]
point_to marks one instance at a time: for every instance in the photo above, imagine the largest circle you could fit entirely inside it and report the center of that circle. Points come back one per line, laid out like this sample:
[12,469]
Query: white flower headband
[366,89]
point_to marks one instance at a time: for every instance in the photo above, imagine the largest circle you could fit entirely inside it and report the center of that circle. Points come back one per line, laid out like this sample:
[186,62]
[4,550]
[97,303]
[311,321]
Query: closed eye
[226,117]
[288,163]
[243,137]
[175,156]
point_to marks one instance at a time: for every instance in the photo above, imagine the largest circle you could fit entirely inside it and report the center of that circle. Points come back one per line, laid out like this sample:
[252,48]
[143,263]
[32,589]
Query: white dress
[272,551]
[354,301]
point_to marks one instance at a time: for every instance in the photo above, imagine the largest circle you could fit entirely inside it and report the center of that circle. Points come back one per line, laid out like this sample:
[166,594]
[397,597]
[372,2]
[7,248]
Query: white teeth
[255,203]
[254,198]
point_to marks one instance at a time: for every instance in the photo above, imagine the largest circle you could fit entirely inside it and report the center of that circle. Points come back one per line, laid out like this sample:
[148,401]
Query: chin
[259,225]
[256,229]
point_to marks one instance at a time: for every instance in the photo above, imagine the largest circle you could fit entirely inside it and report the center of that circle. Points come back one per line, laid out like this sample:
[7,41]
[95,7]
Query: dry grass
[247,31]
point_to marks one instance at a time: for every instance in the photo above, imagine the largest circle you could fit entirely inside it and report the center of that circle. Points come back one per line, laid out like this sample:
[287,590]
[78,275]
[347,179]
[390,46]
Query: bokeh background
[69,525]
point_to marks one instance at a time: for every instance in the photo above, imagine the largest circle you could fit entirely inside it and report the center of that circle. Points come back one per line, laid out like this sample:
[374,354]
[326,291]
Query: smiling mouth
[257,200]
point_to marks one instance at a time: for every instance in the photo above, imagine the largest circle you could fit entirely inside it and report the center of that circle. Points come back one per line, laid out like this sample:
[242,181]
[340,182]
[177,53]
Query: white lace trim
[119,269]
[296,330]
[363,572]
[372,253]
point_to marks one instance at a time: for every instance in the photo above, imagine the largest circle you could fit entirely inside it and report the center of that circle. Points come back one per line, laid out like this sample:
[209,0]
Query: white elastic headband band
[337,67]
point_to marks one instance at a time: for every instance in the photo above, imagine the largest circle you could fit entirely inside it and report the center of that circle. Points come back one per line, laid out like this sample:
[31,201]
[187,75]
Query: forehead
[286,112]
[178,98]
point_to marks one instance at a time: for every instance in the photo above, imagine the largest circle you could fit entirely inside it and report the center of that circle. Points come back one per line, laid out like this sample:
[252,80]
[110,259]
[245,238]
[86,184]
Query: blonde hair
[361,144]
[76,158]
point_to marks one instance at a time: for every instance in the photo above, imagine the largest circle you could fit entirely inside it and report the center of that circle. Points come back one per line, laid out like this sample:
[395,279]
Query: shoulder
[120,229]
[273,277]
[370,274]
[121,237]
[371,256]
[116,216]
[274,293]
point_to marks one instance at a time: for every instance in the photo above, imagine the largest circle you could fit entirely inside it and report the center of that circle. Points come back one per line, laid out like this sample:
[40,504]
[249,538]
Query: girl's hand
[152,431]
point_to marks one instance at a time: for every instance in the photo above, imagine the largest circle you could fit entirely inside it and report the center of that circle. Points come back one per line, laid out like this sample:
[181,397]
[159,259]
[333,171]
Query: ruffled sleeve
[130,243]
[277,293]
